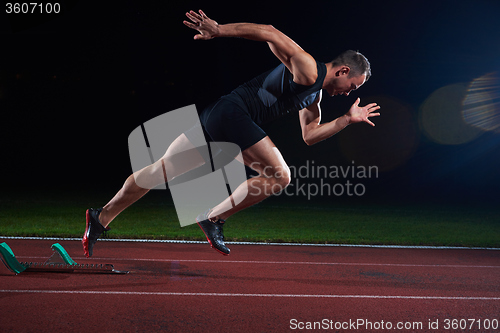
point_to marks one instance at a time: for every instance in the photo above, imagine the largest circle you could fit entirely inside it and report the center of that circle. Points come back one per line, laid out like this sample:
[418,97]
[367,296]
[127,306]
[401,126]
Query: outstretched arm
[301,64]
[313,131]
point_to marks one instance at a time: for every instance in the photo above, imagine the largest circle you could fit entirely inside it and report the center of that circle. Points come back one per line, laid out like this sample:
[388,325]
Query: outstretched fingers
[206,27]
[203,15]
[190,25]
[194,16]
[371,108]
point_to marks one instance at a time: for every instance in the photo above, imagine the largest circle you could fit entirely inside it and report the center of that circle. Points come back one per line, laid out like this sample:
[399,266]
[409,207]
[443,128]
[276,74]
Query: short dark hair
[357,62]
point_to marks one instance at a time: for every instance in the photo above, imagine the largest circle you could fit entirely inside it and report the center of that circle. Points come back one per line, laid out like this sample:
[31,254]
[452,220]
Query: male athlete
[294,86]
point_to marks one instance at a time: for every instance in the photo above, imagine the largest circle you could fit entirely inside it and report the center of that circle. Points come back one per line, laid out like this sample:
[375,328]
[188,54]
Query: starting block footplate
[60,261]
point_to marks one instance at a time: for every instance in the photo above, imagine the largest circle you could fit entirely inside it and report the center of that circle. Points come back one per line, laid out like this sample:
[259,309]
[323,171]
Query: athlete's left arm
[300,63]
[313,131]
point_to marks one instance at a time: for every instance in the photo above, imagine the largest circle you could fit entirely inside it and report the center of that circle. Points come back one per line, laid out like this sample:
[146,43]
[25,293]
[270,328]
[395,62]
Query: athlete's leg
[180,157]
[274,176]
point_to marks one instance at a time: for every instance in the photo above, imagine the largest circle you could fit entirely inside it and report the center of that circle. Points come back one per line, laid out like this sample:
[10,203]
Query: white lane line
[258,243]
[260,262]
[143,293]
[303,263]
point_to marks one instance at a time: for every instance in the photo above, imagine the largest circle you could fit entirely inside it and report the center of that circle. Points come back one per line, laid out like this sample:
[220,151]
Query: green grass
[274,220]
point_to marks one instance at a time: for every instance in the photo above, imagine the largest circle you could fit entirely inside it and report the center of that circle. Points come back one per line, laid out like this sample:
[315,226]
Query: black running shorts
[226,121]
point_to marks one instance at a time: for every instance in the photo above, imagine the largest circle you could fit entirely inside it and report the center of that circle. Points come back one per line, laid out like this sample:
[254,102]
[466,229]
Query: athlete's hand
[206,27]
[359,114]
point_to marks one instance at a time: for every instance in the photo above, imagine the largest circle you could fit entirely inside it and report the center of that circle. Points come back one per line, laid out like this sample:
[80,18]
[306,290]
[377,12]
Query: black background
[74,85]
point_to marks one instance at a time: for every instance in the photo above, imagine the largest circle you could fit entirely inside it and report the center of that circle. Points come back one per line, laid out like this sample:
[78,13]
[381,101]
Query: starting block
[59,261]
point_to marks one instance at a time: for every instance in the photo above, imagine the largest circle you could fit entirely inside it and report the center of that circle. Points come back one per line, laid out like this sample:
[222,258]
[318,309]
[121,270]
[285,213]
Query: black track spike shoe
[93,230]
[213,232]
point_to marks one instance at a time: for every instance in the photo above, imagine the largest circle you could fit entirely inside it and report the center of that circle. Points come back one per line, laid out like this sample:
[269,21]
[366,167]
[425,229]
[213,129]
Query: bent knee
[283,178]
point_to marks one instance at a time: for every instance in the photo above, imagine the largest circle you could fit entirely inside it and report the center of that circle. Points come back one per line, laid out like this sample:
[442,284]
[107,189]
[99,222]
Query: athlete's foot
[213,232]
[93,230]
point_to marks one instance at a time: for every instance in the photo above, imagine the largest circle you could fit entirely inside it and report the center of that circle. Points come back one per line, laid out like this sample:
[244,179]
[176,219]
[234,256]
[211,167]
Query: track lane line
[258,262]
[173,241]
[143,293]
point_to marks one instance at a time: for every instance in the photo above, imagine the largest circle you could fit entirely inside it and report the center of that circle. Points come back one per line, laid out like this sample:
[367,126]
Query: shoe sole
[85,240]
[209,242]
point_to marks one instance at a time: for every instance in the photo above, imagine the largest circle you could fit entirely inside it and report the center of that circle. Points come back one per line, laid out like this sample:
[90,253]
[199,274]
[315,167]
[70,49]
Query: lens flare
[481,106]
[441,116]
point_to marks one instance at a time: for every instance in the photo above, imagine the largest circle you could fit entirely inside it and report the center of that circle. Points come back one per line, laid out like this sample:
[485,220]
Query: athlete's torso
[274,94]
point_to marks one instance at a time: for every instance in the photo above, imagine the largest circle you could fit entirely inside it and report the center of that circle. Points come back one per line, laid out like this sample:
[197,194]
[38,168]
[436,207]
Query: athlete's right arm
[301,64]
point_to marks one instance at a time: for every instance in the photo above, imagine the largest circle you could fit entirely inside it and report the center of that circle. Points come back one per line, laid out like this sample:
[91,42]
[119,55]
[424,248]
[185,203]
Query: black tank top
[274,94]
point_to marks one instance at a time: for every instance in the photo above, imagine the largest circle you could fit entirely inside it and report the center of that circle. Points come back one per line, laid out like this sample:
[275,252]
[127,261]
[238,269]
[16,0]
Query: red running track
[192,288]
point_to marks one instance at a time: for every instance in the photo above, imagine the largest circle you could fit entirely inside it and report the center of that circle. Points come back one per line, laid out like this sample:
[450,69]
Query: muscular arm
[313,131]
[301,64]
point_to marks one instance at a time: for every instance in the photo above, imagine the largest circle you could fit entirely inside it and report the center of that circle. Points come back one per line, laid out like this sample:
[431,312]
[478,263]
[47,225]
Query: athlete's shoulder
[304,69]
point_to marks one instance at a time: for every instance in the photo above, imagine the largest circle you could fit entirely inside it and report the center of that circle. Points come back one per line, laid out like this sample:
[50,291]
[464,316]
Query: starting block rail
[60,261]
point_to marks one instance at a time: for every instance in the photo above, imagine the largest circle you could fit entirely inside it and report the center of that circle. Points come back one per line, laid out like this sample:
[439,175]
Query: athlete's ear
[344,70]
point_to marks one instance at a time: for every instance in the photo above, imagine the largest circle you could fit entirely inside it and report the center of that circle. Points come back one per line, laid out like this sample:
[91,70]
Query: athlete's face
[343,84]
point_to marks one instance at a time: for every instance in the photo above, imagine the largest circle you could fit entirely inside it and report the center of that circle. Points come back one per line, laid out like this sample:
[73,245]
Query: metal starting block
[59,261]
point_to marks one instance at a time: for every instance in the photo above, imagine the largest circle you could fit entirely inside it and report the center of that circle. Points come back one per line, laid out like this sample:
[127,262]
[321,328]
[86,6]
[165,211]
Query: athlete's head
[357,63]
[349,71]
